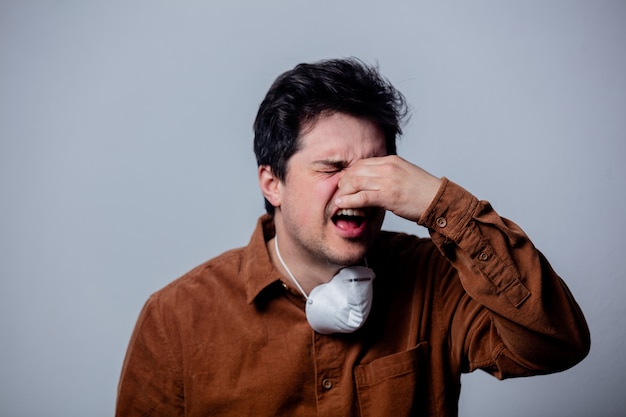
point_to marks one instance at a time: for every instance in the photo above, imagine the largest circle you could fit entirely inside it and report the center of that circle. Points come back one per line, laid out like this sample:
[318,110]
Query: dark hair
[302,94]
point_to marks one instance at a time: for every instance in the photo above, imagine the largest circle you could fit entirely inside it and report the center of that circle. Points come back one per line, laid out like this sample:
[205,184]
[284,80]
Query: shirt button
[483,256]
[442,222]
[327,384]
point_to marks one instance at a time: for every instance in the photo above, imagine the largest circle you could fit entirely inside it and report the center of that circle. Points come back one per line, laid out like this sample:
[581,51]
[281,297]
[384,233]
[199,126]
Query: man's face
[313,229]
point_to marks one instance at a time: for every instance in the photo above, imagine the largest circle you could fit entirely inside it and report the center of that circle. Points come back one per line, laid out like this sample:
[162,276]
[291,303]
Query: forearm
[535,322]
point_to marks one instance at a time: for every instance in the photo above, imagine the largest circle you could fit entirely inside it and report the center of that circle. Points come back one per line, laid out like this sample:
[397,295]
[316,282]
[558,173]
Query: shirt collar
[257,268]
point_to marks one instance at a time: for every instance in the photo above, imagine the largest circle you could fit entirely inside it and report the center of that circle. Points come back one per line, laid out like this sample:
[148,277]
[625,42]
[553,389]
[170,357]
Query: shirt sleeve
[151,383]
[516,316]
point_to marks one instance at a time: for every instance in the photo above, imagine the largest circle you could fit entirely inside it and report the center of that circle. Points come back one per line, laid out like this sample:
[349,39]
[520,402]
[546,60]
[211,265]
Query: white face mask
[342,304]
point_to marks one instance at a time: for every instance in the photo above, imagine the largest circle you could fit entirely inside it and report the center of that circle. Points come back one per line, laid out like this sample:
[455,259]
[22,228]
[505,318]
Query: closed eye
[330,171]
[330,167]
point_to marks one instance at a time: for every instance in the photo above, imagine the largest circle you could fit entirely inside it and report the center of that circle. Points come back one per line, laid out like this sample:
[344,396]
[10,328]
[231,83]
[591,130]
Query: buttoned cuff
[450,218]
[450,211]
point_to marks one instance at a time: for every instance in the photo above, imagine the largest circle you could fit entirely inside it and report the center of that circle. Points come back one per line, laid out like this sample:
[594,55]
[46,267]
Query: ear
[270,185]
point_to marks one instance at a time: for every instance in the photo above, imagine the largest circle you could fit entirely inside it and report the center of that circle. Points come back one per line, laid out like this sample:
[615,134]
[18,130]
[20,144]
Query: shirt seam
[167,346]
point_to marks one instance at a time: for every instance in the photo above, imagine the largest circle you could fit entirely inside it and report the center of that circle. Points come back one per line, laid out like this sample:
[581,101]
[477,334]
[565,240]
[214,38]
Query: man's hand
[389,182]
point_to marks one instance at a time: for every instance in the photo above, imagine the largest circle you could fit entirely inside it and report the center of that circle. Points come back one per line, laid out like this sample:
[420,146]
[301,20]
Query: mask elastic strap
[280,258]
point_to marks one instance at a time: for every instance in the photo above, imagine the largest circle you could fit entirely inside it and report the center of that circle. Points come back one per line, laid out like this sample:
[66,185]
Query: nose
[338,180]
[340,175]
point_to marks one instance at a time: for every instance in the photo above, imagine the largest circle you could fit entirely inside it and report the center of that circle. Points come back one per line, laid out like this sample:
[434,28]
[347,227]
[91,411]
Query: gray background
[126,159]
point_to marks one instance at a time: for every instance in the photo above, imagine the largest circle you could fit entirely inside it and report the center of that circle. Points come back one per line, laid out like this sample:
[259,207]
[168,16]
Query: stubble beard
[321,252]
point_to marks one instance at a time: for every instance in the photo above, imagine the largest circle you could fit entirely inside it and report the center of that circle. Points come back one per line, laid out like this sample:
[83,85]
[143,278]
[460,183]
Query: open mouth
[349,219]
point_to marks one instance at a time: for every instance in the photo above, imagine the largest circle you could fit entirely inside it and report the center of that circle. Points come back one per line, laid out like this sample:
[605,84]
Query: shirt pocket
[395,385]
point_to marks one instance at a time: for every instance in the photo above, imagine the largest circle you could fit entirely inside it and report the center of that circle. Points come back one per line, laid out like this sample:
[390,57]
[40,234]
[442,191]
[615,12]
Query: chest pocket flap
[395,385]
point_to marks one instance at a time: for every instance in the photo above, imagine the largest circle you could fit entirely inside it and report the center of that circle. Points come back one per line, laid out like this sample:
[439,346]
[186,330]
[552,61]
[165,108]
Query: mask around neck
[343,304]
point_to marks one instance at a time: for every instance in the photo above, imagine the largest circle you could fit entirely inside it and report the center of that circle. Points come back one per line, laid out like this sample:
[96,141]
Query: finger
[365,174]
[358,200]
[354,182]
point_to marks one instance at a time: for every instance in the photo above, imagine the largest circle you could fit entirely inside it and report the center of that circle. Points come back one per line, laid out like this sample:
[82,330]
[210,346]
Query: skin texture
[342,163]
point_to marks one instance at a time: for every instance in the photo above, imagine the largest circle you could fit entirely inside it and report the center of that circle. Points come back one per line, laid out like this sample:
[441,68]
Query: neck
[282,262]
[301,276]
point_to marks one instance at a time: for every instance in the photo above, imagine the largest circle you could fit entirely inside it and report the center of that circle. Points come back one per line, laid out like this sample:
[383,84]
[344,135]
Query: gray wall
[125,160]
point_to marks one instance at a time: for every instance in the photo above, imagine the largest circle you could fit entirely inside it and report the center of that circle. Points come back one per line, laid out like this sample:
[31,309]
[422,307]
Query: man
[324,314]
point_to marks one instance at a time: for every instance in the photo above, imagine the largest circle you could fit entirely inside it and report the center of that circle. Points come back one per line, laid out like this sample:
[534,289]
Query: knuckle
[363,199]
[395,195]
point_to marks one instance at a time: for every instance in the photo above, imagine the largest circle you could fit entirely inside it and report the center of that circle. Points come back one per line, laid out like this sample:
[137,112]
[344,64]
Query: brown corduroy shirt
[230,339]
